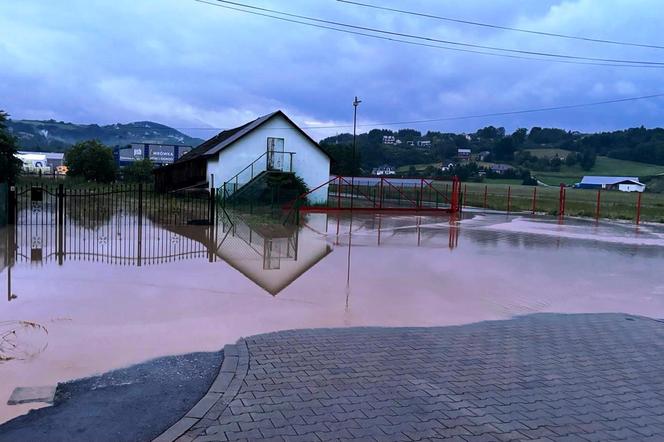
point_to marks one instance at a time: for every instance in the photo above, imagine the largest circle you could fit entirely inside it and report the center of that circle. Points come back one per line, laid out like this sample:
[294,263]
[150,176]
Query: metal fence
[3,204]
[565,201]
[94,206]
[113,223]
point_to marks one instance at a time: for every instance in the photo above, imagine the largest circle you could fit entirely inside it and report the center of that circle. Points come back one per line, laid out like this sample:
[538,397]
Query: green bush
[91,160]
[139,171]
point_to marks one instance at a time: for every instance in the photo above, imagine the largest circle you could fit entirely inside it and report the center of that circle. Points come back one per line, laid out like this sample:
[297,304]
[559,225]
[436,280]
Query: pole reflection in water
[414,223]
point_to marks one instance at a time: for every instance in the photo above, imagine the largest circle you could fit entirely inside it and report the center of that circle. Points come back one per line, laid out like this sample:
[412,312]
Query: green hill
[57,135]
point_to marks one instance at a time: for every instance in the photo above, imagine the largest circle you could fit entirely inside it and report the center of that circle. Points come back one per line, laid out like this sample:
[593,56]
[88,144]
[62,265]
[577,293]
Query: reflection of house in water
[271,255]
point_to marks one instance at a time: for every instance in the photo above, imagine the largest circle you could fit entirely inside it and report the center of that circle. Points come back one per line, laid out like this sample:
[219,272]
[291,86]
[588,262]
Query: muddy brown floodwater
[104,301]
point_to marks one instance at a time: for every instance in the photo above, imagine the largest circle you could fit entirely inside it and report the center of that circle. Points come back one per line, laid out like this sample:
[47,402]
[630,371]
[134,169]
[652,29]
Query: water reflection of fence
[118,241]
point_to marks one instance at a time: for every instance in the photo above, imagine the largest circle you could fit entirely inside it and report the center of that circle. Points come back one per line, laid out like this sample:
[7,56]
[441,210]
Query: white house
[621,183]
[271,143]
[389,139]
[383,170]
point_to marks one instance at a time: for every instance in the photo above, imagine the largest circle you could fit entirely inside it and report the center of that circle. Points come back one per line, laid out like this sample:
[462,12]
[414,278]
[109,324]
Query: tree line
[636,144]
[89,160]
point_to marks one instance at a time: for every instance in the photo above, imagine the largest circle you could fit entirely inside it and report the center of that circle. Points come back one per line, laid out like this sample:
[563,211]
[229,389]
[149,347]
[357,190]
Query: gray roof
[48,155]
[609,180]
[224,139]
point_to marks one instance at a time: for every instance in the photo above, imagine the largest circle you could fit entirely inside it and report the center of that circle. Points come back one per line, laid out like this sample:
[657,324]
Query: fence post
[638,208]
[421,192]
[61,223]
[534,208]
[561,202]
[212,202]
[509,198]
[486,191]
[11,204]
[140,223]
[465,194]
[597,213]
[380,197]
[211,225]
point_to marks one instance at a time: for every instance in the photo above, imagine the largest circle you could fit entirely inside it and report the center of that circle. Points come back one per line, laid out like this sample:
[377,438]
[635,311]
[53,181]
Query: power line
[422,44]
[464,117]
[506,28]
[225,3]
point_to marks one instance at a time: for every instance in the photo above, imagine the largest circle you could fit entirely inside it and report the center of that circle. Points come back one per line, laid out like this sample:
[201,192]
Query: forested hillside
[51,135]
[637,144]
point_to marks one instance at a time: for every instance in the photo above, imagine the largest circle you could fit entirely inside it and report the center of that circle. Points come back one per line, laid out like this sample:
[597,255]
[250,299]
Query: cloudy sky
[192,65]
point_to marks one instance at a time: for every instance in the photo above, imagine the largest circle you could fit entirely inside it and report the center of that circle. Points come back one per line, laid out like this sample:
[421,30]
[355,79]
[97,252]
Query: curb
[222,391]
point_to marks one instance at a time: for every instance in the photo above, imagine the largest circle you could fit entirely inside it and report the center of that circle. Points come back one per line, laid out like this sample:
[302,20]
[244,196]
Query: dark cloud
[188,64]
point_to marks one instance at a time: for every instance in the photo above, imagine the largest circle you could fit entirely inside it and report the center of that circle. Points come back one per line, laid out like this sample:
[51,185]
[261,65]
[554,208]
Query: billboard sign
[131,154]
[161,153]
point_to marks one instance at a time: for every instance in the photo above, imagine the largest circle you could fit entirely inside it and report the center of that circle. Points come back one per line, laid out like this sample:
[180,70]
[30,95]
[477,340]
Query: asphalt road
[132,404]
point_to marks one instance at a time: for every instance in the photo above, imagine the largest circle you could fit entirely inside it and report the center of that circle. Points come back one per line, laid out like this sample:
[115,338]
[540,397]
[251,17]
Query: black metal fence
[95,206]
[3,204]
[116,223]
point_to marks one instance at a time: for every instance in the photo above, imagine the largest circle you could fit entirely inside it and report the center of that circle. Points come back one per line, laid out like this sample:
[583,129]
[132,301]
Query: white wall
[309,162]
[631,187]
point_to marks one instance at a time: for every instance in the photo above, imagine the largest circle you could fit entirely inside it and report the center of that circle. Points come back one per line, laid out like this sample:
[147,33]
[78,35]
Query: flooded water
[113,294]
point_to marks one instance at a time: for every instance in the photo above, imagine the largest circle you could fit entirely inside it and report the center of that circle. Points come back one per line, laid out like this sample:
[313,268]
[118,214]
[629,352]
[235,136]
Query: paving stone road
[593,377]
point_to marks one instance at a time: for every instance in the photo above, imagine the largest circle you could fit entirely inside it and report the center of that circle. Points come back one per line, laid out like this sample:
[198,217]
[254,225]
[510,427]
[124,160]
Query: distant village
[53,163]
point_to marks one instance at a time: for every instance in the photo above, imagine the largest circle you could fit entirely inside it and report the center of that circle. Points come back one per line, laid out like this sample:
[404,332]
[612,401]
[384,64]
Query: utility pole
[356,102]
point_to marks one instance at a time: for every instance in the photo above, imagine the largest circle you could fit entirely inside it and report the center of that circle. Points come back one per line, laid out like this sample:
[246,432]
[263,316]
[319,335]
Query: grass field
[418,167]
[603,166]
[514,198]
[579,202]
[548,153]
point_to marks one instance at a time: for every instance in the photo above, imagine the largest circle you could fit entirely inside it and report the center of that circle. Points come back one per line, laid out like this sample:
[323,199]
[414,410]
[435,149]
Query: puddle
[110,295]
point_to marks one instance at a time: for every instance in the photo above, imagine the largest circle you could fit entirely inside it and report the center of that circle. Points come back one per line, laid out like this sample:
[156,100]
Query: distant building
[483,155]
[410,143]
[621,183]
[424,143]
[500,168]
[463,154]
[159,154]
[46,162]
[389,139]
[383,170]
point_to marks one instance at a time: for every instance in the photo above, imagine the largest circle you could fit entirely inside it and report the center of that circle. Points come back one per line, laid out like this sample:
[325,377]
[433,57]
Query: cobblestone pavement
[592,377]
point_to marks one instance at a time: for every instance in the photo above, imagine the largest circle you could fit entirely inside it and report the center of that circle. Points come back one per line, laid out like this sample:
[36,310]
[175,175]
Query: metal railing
[268,161]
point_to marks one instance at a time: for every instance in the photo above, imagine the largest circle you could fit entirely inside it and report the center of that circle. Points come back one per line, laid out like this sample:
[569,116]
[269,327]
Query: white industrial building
[621,183]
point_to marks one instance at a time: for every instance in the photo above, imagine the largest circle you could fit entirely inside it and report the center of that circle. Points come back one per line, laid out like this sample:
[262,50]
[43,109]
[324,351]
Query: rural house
[622,183]
[271,144]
